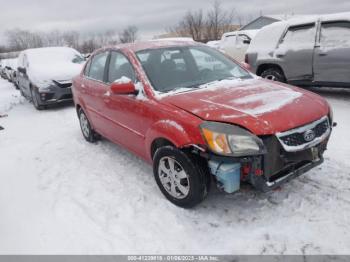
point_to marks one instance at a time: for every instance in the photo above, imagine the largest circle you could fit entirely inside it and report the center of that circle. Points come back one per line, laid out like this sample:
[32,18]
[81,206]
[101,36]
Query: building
[265,20]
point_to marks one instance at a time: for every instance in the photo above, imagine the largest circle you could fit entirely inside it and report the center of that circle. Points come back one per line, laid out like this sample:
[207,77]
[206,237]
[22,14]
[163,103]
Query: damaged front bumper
[269,171]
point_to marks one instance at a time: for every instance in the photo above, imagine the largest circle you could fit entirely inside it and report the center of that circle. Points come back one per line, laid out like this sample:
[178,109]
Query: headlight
[231,140]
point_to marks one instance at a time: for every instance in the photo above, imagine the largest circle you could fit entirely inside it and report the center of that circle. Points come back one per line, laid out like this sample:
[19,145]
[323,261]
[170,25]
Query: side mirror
[123,87]
[246,66]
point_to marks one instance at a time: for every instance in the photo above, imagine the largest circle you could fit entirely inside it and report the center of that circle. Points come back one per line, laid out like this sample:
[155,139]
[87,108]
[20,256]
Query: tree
[128,35]
[204,27]
[218,21]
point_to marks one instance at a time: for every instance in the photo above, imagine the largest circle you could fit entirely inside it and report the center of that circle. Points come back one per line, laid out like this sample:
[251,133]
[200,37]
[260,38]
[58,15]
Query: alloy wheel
[85,126]
[173,178]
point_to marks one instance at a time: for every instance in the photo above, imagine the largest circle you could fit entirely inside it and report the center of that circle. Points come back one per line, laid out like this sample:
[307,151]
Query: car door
[332,54]
[295,52]
[124,112]
[94,88]
[242,44]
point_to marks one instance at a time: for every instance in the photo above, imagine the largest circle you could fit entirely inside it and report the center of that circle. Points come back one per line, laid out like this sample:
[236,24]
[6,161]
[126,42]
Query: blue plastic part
[228,174]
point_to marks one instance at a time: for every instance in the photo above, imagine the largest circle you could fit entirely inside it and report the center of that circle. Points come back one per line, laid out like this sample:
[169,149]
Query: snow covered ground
[61,195]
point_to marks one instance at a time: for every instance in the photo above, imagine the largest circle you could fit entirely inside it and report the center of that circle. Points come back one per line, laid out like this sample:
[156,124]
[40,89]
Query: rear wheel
[274,74]
[89,134]
[181,177]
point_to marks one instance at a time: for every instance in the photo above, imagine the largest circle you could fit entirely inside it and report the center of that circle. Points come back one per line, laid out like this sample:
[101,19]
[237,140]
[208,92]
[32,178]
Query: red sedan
[200,117]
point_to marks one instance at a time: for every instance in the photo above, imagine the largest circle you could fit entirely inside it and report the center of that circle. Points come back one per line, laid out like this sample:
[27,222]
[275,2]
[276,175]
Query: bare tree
[191,25]
[218,21]
[22,39]
[128,35]
[71,39]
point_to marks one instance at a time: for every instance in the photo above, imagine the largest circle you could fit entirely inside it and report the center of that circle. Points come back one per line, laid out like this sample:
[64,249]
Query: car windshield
[187,67]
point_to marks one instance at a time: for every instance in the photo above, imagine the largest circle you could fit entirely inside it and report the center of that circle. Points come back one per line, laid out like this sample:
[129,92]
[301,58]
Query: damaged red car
[199,117]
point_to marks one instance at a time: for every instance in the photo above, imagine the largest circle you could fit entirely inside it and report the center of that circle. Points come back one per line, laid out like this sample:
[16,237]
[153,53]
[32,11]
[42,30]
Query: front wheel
[182,178]
[274,74]
[35,100]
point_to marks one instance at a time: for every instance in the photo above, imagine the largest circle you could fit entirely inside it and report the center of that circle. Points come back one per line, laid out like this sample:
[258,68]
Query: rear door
[94,87]
[295,52]
[332,54]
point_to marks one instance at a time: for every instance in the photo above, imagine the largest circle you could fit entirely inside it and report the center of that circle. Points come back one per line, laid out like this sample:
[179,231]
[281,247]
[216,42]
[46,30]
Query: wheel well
[159,142]
[263,67]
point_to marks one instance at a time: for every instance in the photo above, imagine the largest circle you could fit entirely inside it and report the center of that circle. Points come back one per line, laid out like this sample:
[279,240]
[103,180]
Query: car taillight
[246,60]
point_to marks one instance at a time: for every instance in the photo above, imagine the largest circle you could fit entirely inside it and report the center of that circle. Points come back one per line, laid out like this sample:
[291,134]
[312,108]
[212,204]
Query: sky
[152,17]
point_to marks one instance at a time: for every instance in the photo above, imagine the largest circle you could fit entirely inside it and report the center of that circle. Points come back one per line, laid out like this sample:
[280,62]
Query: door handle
[322,54]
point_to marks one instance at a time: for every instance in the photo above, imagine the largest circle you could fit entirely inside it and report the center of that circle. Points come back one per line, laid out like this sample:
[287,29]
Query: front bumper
[276,167]
[54,94]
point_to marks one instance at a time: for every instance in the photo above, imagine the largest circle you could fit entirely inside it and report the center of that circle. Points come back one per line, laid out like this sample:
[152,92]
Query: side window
[87,68]
[25,62]
[97,67]
[300,35]
[120,66]
[335,34]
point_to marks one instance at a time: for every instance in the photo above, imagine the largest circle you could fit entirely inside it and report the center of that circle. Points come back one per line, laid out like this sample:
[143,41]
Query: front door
[295,52]
[124,112]
[332,54]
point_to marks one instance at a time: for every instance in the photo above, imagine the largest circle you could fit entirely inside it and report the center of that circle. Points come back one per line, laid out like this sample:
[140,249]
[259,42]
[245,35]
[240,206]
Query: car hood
[261,106]
[41,74]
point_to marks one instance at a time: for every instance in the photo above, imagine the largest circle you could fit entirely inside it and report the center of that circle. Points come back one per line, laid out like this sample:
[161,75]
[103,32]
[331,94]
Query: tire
[181,177]
[89,134]
[274,74]
[35,100]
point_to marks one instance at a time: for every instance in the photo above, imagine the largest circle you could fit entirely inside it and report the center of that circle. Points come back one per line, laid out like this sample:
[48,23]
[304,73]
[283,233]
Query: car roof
[312,19]
[154,44]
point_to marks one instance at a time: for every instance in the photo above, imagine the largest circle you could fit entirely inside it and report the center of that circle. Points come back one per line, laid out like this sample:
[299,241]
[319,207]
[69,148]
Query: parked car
[3,68]
[307,52]
[200,120]
[235,44]
[11,70]
[214,44]
[45,74]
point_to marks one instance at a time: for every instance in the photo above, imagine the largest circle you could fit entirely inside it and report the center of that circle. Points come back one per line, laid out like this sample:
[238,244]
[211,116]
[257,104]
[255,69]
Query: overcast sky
[150,16]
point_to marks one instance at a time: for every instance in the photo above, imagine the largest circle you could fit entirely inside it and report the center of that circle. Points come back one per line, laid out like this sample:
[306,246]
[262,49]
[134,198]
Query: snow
[9,96]
[123,80]
[267,102]
[62,195]
[51,63]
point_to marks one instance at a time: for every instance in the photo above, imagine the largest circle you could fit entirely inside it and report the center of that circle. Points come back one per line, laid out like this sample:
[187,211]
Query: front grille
[63,84]
[297,139]
[306,136]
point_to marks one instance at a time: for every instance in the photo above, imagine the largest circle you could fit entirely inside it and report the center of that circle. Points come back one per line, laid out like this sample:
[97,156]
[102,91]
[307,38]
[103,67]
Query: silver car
[313,51]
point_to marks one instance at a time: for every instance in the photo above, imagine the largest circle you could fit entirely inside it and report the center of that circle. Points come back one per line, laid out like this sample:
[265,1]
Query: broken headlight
[231,140]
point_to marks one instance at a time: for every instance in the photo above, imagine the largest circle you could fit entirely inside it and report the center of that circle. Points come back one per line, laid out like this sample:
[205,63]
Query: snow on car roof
[52,53]
[250,33]
[300,20]
[153,44]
